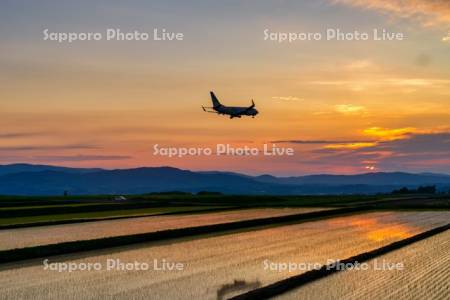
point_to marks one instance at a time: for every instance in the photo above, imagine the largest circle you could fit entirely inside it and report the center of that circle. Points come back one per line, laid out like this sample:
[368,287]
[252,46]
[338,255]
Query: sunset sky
[344,106]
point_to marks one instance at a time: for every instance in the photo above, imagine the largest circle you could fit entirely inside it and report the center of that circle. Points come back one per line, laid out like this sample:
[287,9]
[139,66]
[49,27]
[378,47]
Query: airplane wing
[248,108]
[208,110]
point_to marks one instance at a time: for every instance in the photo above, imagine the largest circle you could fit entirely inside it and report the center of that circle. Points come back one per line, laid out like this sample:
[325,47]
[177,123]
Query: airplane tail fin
[214,100]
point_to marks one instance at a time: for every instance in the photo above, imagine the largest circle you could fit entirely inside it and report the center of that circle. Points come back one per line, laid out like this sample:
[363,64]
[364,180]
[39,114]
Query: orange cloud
[389,134]
[363,84]
[360,65]
[286,98]
[349,109]
[382,134]
[446,38]
[350,146]
[427,12]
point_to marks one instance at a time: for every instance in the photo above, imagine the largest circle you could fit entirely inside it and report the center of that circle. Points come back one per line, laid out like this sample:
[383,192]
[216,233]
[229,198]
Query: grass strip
[117,217]
[91,208]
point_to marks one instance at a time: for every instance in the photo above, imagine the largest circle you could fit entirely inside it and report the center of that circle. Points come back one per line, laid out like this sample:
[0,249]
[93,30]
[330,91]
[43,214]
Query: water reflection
[378,226]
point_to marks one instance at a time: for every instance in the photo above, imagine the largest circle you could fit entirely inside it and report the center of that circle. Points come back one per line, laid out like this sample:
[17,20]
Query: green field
[48,210]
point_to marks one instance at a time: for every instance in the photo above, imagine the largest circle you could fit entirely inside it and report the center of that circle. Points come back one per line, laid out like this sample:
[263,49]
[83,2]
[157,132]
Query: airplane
[232,111]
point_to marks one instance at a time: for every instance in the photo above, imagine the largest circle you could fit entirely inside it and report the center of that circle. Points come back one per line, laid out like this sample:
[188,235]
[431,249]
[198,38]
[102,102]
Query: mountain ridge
[27,179]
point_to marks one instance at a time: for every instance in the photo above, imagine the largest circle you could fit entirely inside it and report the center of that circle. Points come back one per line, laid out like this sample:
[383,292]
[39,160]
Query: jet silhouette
[232,111]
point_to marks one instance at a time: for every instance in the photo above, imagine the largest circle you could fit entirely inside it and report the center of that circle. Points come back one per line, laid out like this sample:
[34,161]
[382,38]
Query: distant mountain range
[26,179]
[18,168]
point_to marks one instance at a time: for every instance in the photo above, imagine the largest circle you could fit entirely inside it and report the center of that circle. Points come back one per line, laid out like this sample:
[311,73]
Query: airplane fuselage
[235,111]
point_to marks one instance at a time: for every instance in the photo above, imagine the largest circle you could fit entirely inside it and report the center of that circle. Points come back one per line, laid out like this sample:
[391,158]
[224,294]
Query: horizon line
[226,171]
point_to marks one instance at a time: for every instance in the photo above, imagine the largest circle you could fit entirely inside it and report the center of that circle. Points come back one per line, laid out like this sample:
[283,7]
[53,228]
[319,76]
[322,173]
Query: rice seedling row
[213,264]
